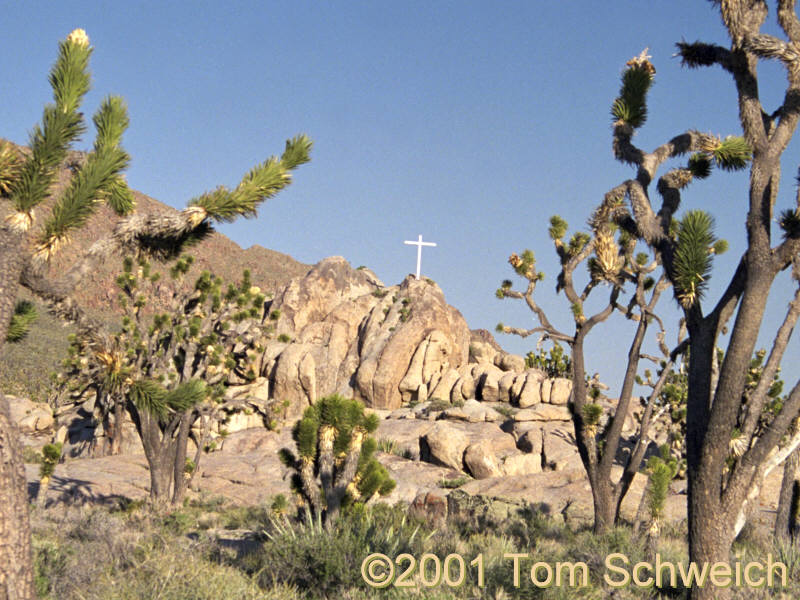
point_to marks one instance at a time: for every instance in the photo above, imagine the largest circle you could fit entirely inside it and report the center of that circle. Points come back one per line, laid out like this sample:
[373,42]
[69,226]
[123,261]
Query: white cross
[419,244]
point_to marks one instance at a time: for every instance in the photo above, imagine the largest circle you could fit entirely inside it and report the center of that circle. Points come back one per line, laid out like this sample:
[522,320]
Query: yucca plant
[51,456]
[335,465]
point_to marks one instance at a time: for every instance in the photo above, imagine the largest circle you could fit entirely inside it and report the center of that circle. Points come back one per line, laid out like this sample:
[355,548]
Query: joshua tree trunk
[41,493]
[16,564]
[708,544]
[116,429]
[604,506]
[160,478]
[785,523]
[160,454]
[180,479]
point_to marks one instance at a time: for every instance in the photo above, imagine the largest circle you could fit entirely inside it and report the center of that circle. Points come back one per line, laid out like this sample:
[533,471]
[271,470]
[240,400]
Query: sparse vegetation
[555,363]
[210,549]
[454,483]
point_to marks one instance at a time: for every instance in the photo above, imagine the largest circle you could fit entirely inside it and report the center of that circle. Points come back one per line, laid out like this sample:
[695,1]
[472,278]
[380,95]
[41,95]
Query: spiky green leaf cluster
[631,105]
[343,416]
[186,395]
[10,164]
[61,125]
[720,247]
[699,165]
[94,180]
[693,258]
[181,266]
[259,184]
[341,413]
[24,315]
[577,311]
[577,243]
[373,477]
[733,153]
[558,228]
[524,265]
[149,397]
[789,221]
[591,414]
[555,362]
[51,455]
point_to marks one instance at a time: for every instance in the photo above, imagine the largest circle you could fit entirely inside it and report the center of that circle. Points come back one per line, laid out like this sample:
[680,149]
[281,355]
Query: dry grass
[211,550]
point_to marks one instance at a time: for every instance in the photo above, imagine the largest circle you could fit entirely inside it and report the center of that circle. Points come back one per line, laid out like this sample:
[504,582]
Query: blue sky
[467,122]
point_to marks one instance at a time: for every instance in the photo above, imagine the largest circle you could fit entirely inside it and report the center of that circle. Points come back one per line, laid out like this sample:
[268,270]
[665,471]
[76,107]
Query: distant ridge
[219,254]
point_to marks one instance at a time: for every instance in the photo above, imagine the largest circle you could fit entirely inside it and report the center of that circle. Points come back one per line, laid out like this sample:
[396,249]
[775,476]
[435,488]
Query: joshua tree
[51,455]
[719,406]
[661,471]
[334,465]
[168,369]
[26,181]
[610,255]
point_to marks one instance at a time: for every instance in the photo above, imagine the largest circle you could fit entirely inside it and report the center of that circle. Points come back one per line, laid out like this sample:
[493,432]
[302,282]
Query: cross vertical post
[419,244]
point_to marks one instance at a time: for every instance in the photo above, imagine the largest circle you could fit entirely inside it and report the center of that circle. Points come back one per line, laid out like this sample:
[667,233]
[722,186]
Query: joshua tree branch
[759,474]
[523,333]
[547,326]
[725,306]
[643,439]
[787,18]
[757,398]
[700,54]
[60,303]
[614,431]
[765,444]
[624,150]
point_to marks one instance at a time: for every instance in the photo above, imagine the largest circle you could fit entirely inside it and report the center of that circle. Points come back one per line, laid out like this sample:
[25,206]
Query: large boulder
[31,417]
[560,391]
[481,461]
[444,445]
[530,393]
[340,330]
[559,451]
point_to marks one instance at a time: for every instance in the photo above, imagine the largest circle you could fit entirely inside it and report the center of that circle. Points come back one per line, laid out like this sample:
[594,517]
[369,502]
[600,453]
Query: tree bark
[41,493]
[710,536]
[604,506]
[180,479]
[787,501]
[16,561]
[160,477]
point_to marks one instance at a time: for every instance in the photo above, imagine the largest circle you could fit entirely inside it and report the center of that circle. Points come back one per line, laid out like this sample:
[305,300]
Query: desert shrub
[454,483]
[327,563]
